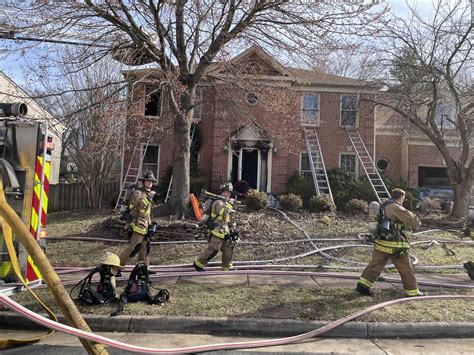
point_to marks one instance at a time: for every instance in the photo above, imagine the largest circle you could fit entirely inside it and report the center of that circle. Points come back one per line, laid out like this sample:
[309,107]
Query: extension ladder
[371,171]
[316,162]
[133,172]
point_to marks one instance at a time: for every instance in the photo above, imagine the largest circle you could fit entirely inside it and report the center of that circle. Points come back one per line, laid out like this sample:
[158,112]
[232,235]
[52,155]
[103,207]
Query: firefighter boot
[469,266]
[198,266]
[363,290]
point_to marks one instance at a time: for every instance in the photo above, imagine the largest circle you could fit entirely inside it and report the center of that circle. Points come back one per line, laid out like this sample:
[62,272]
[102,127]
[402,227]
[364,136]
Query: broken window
[444,115]
[305,167]
[151,159]
[348,110]
[153,102]
[197,112]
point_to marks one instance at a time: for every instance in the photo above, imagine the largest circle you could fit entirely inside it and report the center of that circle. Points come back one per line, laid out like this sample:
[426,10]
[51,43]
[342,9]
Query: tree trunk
[181,147]
[462,193]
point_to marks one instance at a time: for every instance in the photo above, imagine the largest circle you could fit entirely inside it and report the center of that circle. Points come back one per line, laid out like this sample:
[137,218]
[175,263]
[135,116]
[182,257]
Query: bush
[198,183]
[342,186]
[355,206]
[256,200]
[291,202]
[301,186]
[428,205]
[321,203]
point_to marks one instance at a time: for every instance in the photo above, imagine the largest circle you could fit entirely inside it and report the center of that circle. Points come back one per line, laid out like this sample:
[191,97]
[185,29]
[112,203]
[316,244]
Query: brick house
[257,132]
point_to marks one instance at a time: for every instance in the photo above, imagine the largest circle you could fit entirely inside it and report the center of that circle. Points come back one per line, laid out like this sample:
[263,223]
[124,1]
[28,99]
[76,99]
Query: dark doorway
[430,176]
[249,167]
[234,173]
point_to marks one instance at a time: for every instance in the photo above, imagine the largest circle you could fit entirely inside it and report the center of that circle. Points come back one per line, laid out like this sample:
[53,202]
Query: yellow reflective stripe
[414,292]
[218,234]
[198,263]
[138,229]
[390,244]
[365,282]
[383,249]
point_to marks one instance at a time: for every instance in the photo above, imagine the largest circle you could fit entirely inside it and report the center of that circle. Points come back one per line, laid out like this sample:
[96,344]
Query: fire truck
[25,162]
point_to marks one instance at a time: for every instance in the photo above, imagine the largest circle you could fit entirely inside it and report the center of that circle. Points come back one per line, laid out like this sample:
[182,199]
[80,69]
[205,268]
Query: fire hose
[214,347]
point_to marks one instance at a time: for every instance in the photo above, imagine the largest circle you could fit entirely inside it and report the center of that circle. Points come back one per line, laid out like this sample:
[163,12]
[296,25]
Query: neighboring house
[404,153]
[253,135]
[10,93]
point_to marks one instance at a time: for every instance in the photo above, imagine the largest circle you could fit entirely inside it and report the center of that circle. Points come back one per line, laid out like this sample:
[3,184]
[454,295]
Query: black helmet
[227,186]
[148,176]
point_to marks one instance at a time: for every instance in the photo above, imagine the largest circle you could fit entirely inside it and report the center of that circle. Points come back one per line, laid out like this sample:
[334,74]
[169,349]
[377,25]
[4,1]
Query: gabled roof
[316,77]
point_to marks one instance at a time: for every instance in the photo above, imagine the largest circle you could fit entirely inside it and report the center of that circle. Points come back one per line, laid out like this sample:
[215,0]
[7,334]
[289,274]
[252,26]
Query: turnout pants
[215,245]
[403,265]
[138,244]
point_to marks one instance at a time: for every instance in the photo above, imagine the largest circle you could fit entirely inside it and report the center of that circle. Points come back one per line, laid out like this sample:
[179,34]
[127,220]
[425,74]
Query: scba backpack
[139,288]
[104,294]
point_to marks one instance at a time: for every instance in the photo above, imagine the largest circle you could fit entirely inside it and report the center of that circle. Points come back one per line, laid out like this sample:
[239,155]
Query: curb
[255,327]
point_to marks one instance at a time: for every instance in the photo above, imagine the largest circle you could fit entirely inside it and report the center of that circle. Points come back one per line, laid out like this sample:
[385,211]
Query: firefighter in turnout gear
[221,237]
[391,244]
[140,206]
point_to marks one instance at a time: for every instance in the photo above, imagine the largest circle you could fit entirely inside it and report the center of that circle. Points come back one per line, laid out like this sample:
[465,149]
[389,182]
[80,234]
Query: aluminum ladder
[168,192]
[316,162]
[133,172]
[371,171]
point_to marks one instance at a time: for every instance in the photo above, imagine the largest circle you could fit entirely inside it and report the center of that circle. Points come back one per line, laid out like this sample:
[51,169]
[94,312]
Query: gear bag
[139,288]
[105,292]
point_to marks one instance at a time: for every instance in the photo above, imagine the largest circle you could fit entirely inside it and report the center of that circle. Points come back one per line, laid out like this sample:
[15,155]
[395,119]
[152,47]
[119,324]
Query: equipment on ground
[139,288]
[469,266]
[25,162]
[105,291]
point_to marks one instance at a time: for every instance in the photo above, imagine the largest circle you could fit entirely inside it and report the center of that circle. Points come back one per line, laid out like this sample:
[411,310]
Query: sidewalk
[60,343]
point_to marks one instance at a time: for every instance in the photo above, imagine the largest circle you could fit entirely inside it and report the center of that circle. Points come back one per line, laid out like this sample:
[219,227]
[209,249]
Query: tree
[428,80]
[185,37]
[92,105]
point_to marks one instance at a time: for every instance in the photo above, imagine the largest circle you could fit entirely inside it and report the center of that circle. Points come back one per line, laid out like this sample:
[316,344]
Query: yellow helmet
[112,260]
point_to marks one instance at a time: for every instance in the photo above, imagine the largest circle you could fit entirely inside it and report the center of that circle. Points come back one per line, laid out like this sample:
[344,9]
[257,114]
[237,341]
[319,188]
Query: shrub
[321,203]
[342,186]
[429,204]
[356,206]
[198,183]
[290,202]
[301,186]
[256,200]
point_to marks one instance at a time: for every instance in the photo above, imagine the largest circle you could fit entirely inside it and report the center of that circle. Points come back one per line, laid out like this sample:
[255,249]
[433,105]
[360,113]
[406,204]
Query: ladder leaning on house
[370,169]
[133,172]
[168,192]
[316,162]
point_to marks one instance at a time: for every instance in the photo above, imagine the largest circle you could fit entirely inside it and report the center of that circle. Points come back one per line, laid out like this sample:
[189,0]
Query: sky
[14,65]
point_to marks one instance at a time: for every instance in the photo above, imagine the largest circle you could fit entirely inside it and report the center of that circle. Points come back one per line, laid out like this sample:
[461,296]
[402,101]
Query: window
[305,167]
[153,102]
[348,110]
[382,164]
[444,115]
[348,163]
[197,113]
[310,109]
[151,160]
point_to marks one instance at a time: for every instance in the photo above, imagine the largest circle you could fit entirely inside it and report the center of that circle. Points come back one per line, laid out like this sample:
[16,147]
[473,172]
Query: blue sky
[14,64]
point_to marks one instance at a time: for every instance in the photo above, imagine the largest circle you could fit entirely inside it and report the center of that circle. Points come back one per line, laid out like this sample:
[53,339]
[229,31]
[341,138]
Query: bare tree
[428,66]
[92,105]
[184,37]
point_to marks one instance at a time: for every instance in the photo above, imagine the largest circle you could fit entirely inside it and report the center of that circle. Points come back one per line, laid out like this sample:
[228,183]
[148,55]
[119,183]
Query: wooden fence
[68,197]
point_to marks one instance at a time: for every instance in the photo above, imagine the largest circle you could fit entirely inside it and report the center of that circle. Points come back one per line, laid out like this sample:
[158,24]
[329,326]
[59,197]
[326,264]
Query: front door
[250,167]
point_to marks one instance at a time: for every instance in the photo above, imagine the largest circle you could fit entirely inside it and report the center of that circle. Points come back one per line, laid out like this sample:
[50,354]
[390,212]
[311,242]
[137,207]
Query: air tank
[374,214]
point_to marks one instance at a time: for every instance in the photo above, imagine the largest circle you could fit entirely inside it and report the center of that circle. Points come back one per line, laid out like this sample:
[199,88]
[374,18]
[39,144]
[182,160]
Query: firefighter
[221,237]
[393,246]
[141,203]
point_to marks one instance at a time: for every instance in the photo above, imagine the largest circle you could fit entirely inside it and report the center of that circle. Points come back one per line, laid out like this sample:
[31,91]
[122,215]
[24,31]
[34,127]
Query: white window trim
[161,102]
[356,162]
[340,111]
[305,122]
[301,160]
